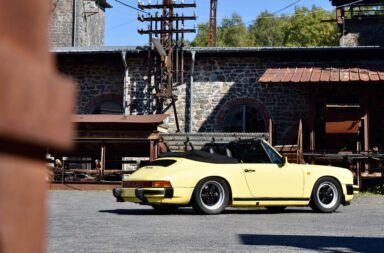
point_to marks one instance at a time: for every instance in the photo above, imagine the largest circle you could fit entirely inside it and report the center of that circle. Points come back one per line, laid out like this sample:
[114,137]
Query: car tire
[326,195]
[165,208]
[275,209]
[211,196]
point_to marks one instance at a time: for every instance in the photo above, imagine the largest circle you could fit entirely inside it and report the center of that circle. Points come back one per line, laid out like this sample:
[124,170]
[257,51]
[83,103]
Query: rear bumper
[117,194]
[180,196]
[142,194]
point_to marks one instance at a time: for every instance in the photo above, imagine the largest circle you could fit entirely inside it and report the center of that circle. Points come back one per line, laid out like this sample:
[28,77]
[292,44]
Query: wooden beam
[102,161]
[152,150]
[270,131]
[300,142]
[312,117]
[366,126]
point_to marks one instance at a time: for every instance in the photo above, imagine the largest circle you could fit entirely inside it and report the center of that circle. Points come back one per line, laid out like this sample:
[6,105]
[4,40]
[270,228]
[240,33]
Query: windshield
[273,155]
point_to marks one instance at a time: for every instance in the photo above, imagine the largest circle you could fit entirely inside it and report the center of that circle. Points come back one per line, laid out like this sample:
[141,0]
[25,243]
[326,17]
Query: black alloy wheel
[326,195]
[211,196]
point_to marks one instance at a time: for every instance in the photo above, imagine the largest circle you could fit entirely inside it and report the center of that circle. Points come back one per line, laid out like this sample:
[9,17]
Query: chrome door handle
[248,170]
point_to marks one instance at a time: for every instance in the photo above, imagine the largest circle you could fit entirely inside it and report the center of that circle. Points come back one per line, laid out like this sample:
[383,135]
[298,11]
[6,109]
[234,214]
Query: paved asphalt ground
[94,222]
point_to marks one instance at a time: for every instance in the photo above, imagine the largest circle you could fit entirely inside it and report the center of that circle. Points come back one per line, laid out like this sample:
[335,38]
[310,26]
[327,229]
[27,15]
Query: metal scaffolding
[165,53]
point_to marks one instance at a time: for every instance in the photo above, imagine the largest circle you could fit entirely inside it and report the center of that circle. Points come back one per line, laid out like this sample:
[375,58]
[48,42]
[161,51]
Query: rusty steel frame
[212,29]
[166,69]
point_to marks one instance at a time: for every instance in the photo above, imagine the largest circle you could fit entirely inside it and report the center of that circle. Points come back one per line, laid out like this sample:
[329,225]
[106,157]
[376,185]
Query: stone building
[77,23]
[241,89]
[360,22]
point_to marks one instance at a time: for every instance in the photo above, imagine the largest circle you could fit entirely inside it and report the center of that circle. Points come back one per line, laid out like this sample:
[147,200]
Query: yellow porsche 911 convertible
[250,173]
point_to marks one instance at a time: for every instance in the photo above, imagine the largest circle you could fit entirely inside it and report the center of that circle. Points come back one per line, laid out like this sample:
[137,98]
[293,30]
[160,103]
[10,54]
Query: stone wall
[363,33]
[220,84]
[60,29]
[89,29]
[223,82]
[99,78]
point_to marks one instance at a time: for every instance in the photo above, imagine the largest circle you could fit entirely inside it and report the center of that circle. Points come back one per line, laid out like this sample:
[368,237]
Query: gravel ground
[93,222]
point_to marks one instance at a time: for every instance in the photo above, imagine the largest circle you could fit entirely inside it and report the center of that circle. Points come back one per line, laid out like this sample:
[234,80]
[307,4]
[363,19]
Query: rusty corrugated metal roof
[105,118]
[322,74]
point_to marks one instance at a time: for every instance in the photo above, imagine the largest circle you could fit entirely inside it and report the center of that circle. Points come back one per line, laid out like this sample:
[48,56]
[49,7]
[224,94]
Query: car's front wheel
[211,196]
[326,195]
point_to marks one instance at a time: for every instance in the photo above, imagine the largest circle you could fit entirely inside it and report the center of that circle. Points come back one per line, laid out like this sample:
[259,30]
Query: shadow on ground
[190,211]
[318,243]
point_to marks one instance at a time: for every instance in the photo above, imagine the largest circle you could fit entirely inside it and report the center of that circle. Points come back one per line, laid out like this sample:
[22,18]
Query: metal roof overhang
[123,134]
[98,50]
[323,74]
[352,2]
[127,119]
[116,128]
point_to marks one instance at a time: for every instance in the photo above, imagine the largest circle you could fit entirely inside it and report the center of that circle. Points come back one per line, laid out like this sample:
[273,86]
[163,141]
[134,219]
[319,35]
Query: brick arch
[97,101]
[252,102]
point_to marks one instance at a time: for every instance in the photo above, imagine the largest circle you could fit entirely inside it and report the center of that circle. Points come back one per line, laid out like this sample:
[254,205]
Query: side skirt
[271,199]
[249,202]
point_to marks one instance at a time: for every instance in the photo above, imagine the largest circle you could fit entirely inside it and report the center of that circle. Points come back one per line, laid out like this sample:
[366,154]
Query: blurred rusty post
[35,113]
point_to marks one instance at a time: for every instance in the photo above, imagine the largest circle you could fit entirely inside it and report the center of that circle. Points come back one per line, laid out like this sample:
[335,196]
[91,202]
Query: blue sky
[121,22]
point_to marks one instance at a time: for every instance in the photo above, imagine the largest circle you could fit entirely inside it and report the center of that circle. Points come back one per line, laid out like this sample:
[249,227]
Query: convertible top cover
[201,156]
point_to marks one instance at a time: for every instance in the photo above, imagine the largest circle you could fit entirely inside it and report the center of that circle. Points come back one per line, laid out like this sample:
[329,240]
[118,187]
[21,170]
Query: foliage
[267,30]
[376,189]
[303,28]
[306,29]
[233,32]
[201,39]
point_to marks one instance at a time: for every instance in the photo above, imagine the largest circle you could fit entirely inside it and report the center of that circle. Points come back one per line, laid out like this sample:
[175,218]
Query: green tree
[303,28]
[201,39]
[267,30]
[306,29]
[233,32]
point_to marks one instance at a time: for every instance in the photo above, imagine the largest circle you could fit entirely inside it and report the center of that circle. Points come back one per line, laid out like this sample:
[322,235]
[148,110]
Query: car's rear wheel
[211,196]
[326,195]
[165,208]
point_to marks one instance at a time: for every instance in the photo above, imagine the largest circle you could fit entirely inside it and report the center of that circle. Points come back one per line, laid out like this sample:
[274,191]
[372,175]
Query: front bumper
[349,192]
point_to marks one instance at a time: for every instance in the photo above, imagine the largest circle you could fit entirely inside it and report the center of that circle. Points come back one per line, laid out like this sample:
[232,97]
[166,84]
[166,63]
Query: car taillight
[147,184]
[161,184]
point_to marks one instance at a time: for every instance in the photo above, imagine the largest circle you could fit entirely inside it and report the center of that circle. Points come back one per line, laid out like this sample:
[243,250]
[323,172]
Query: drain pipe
[126,99]
[74,23]
[191,92]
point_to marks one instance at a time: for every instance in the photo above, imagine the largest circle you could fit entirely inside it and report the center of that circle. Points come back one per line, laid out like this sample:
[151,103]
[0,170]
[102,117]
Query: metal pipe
[74,23]
[126,98]
[191,92]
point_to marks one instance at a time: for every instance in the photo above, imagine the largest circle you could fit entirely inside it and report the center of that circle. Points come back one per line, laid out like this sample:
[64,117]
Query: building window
[244,118]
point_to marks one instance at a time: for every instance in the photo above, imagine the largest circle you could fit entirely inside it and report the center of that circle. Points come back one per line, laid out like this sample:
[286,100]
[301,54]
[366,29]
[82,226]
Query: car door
[267,174]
